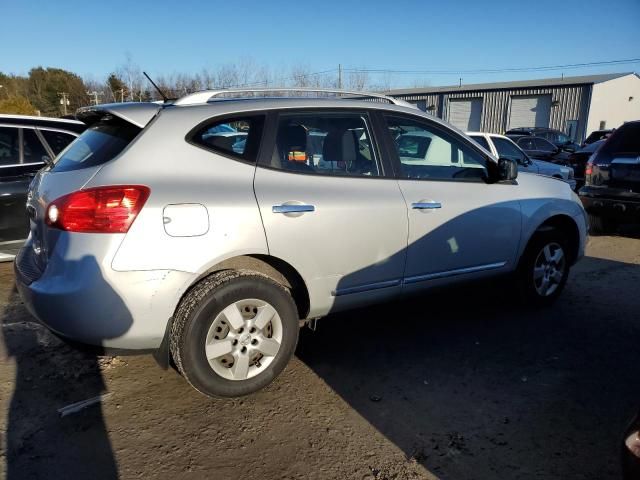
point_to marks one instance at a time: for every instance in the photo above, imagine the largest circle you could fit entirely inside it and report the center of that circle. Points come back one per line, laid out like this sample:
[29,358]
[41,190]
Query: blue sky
[93,38]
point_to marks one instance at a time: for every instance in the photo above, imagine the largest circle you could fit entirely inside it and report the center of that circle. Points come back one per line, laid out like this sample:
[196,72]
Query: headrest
[294,138]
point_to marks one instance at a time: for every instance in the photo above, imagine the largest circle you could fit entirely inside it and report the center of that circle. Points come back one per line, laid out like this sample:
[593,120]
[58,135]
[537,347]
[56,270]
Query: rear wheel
[233,333]
[544,268]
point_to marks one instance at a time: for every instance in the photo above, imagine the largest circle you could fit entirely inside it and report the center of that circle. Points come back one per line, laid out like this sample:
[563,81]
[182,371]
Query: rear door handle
[426,205]
[292,208]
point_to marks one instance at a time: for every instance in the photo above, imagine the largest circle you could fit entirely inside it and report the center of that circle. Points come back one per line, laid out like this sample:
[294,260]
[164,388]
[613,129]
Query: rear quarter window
[100,143]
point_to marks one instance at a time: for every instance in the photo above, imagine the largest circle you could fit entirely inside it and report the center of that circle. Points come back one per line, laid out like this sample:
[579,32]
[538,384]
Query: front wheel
[233,333]
[544,268]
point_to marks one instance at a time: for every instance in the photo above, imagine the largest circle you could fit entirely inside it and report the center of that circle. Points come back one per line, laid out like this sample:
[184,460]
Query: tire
[233,333]
[544,262]
[598,225]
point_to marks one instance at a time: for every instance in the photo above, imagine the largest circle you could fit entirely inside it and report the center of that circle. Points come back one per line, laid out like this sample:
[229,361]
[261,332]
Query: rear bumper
[85,302]
[623,209]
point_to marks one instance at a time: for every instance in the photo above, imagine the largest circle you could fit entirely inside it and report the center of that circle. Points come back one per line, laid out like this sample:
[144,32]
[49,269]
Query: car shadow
[471,384]
[49,374]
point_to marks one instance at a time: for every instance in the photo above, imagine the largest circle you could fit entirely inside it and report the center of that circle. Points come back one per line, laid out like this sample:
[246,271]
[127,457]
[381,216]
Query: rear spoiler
[137,113]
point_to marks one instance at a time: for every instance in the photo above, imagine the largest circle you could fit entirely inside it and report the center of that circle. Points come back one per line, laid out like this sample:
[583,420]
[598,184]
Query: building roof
[543,82]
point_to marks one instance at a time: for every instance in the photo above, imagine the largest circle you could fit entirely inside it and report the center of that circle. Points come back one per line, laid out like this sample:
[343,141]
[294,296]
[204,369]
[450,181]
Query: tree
[117,89]
[46,85]
[17,105]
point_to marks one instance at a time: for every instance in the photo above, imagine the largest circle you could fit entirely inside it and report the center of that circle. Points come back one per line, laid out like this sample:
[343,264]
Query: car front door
[459,225]
[21,153]
[329,209]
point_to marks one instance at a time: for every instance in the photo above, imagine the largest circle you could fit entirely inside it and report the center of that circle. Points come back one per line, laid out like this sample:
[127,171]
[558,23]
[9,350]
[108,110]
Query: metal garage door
[530,111]
[466,114]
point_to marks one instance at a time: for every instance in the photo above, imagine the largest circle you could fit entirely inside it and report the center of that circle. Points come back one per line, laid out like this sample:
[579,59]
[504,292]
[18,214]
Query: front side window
[325,144]
[57,141]
[507,149]
[544,146]
[428,152]
[34,151]
[237,137]
[526,143]
[9,146]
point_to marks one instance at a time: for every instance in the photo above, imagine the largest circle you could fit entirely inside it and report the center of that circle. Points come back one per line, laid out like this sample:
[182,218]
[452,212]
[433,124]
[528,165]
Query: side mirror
[507,169]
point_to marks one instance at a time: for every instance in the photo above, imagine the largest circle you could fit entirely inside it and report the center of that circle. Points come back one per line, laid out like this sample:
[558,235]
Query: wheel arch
[568,226]
[275,268]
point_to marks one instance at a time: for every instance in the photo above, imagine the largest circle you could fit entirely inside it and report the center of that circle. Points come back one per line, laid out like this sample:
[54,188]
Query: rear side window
[9,146]
[58,141]
[237,137]
[101,142]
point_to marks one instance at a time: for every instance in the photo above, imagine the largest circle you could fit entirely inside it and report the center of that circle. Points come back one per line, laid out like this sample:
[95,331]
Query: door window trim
[271,131]
[392,151]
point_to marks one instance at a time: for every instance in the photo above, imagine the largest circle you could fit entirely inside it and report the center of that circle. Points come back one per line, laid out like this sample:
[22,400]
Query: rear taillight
[98,210]
[588,170]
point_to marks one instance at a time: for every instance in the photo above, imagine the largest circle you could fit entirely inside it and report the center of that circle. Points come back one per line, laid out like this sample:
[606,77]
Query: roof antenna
[164,97]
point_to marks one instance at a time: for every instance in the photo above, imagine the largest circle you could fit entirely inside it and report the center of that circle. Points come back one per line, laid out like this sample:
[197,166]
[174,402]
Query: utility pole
[340,76]
[121,94]
[94,94]
[64,101]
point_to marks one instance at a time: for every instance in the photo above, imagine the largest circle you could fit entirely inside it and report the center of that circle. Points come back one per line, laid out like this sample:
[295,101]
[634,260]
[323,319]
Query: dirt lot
[463,384]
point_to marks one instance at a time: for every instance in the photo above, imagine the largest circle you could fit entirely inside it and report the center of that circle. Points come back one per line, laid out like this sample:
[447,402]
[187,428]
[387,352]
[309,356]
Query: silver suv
[211,228]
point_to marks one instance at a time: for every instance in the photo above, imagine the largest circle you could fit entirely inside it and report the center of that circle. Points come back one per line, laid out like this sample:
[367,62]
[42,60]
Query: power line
[569,66]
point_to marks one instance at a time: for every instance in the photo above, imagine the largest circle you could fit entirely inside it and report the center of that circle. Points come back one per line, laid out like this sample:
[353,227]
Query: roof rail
[206,95]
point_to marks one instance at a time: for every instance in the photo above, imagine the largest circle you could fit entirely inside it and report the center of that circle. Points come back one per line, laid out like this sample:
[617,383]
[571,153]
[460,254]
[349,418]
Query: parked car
[578,159]
[611,193]
[26,145]
[558,138]
[215,257]
[596,136]
[503,147]
[541,149]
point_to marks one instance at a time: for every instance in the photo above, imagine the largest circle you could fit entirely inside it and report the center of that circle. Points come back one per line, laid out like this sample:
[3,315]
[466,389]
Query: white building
[575,105]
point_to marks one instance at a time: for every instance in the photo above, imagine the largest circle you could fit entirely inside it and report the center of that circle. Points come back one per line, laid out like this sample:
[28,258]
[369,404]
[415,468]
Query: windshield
[98,144]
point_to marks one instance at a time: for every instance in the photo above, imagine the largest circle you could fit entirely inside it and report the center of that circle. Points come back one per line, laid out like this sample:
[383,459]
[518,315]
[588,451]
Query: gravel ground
[460,384]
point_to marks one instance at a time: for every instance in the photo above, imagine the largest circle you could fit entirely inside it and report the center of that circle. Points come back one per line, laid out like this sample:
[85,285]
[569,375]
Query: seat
[292,148]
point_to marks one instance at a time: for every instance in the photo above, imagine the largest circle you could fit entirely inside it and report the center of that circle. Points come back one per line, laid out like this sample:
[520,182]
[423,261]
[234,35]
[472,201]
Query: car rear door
[329,208]
[21,156]
[459,225]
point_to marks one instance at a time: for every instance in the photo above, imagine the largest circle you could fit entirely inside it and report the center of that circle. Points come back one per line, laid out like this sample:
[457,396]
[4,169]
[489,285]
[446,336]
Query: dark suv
[559,139]
[26,145]
[611,193]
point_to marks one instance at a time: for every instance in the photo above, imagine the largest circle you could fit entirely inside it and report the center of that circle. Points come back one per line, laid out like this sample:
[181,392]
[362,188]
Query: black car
[541,149]
[611,193]
[559,139]
[578,160]
[26,145]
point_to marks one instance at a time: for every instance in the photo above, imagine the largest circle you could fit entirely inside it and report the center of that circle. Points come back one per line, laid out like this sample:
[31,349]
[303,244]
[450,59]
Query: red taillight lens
[588,170]
[98,210]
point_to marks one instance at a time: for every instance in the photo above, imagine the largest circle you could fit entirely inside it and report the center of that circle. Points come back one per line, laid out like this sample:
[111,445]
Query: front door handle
[292,208]
[426,205]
